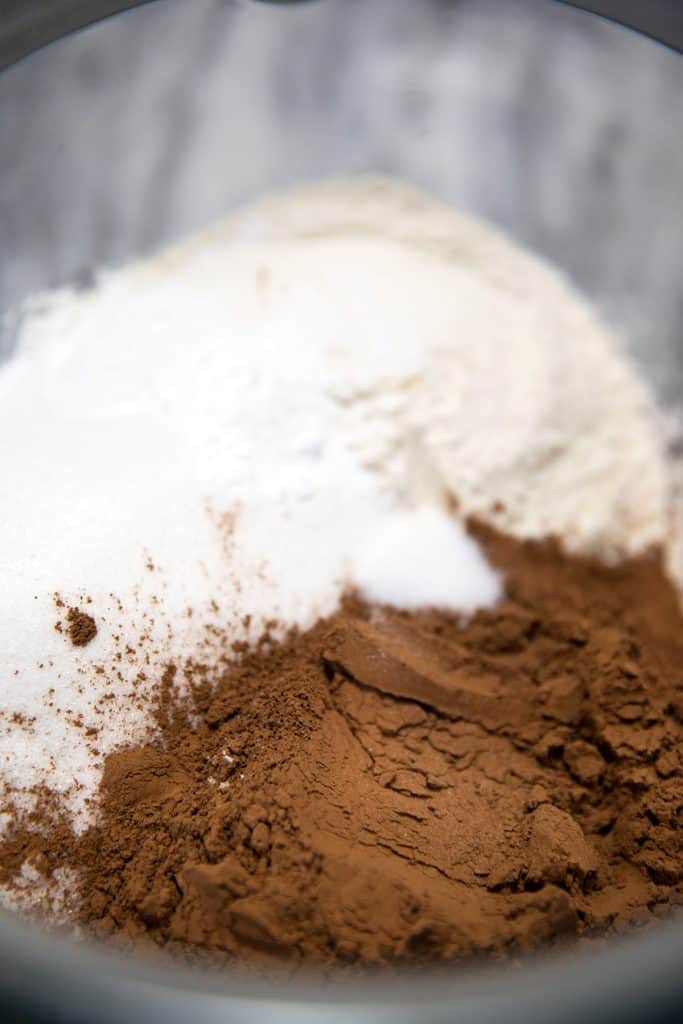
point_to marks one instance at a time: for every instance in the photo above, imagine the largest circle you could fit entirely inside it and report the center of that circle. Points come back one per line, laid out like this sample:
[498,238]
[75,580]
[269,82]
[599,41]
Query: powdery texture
[208,439]
[392,787]
[459,349]
[424,558]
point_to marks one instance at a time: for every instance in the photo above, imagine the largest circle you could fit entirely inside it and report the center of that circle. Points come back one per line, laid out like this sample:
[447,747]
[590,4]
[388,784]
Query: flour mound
[458,348]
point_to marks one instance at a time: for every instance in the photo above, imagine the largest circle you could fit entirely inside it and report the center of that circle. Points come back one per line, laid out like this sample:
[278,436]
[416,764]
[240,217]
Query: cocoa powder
[80,627]
[396,787]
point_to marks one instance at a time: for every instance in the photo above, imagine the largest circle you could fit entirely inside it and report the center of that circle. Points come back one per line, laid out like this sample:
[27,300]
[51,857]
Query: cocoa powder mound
[395,787]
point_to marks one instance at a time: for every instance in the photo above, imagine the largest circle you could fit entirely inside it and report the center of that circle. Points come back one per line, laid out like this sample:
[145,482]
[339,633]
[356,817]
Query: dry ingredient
[223,431]
[80,627]
[206,744]
[402,786]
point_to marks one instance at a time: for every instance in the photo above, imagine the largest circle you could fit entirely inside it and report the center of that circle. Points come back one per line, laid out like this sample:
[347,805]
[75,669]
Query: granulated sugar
[210,440]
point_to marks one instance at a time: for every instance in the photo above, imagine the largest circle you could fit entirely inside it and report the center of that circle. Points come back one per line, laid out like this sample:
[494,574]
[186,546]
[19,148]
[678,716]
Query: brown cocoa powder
[80,627]
[396,787]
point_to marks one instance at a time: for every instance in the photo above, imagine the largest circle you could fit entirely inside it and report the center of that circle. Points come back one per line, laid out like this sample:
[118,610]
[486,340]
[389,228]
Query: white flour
[221,432]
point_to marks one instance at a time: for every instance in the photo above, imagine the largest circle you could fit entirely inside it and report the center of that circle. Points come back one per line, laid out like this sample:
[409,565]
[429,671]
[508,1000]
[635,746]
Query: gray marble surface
[562,129]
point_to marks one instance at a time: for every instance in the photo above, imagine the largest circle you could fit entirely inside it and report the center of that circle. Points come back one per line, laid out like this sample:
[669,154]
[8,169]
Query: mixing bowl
[563,128]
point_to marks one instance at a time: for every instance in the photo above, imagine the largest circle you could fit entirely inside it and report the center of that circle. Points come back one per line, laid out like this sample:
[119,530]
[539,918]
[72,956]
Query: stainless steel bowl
[563,128]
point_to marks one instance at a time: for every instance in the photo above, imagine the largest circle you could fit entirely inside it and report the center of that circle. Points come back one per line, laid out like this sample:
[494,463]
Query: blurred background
[564,130]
